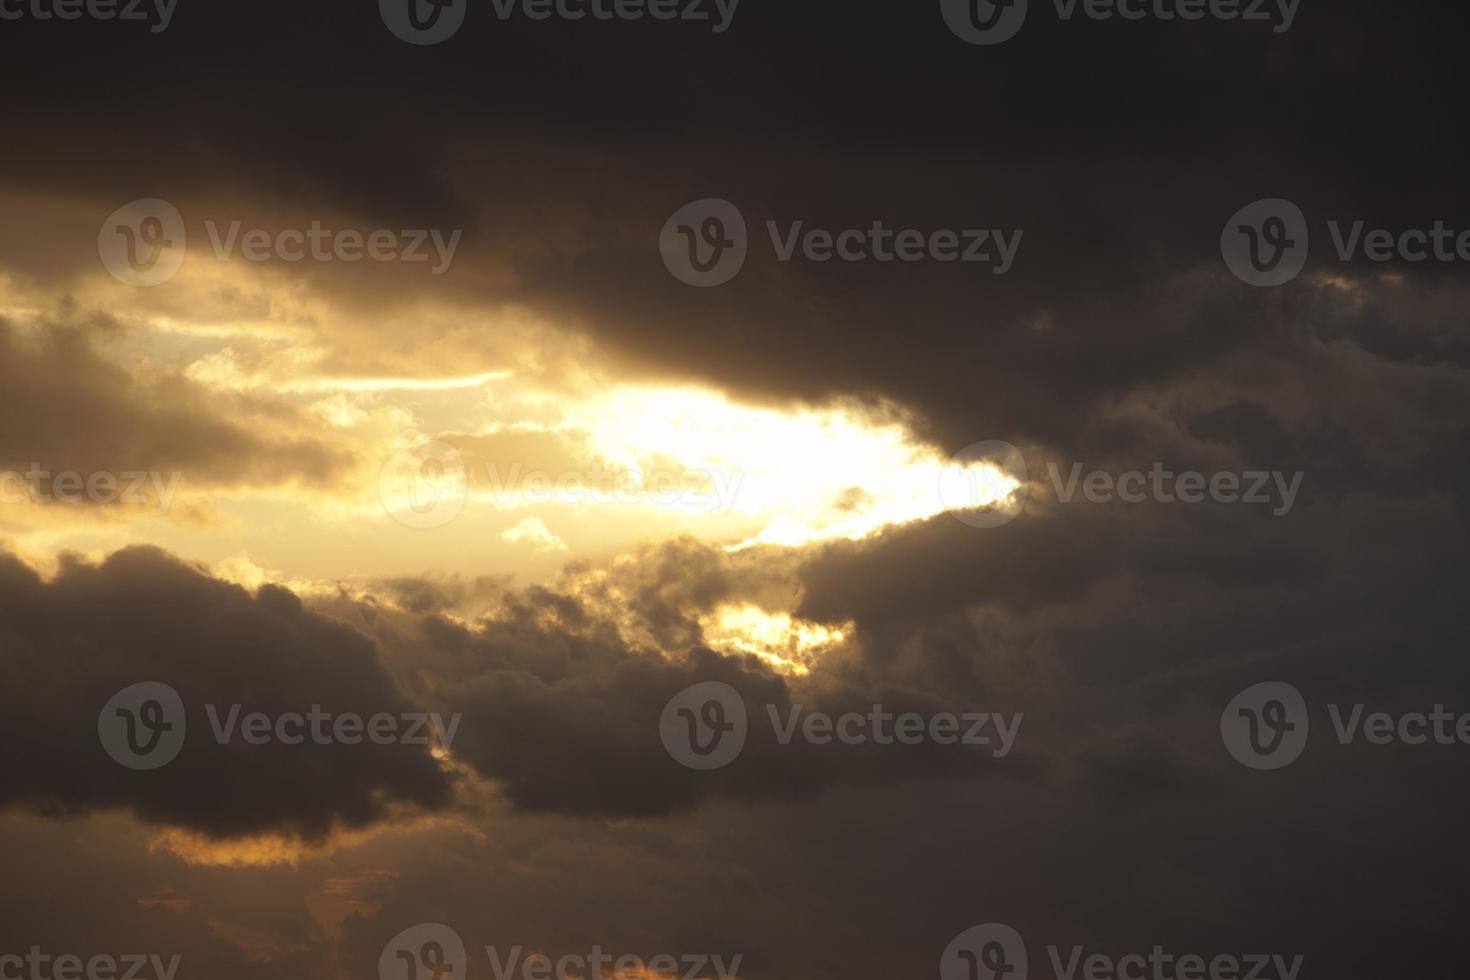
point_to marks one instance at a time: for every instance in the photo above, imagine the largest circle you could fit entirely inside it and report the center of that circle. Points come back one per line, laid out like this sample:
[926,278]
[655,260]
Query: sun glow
[808,475]
[560,461]
[790,645]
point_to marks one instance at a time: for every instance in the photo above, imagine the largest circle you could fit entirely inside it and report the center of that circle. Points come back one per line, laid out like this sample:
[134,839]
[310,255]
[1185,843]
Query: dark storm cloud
[1125,631]
[588,744]
[1122,680]
[562,709]
[1120,179]
[67,645]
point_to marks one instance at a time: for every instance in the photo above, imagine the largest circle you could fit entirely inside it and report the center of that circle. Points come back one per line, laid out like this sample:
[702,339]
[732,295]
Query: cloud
[67,407]
[72,642]
[533,532]
[1117,341]
[566,685]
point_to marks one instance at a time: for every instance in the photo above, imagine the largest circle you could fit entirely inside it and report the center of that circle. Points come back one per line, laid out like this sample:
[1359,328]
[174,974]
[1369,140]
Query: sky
[742,489]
